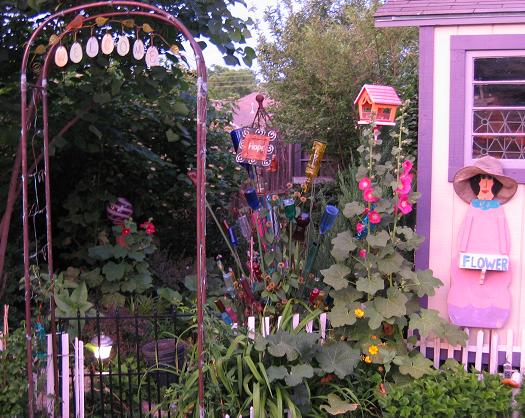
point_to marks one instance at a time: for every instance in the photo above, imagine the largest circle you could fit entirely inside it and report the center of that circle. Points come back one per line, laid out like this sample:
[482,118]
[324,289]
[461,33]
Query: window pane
[499,95]
[498,121]
[499,68]
[509,147]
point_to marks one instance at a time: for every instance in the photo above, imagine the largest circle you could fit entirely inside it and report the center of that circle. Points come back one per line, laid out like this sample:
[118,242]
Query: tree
[316,61]
[134,136]
[227,83]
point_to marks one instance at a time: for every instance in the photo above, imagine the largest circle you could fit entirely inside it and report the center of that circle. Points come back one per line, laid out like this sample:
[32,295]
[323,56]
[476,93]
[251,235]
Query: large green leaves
[339,358]
[336,406]
[343,243]
[335,276]
[393,304]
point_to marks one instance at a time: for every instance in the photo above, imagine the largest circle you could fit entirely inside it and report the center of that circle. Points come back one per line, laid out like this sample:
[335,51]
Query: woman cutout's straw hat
[489,166]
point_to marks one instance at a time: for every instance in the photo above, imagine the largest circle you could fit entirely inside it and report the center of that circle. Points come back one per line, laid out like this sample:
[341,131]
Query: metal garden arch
[131,8]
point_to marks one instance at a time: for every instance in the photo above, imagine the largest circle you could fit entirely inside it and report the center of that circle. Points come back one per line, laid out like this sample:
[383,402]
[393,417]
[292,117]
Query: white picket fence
[486,350]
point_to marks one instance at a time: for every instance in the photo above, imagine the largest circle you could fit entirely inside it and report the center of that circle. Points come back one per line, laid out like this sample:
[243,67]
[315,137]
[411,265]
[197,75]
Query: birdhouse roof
[441,12]
[380,94]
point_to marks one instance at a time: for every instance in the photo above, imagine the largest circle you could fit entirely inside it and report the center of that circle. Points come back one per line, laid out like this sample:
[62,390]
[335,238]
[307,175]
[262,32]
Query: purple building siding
[449,12]
[425,126]
[459,45]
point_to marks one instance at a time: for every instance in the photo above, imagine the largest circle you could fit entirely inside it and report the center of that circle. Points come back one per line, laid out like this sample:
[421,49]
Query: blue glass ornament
[328,219]
[236,136]
[251,197]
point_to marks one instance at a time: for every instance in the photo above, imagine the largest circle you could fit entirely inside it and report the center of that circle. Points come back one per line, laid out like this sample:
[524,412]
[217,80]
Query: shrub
[450,392]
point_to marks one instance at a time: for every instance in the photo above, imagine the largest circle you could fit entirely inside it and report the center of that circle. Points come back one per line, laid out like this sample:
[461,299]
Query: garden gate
[80,18]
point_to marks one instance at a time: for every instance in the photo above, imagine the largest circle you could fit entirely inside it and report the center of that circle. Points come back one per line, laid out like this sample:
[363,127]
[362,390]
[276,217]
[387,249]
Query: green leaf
[283,344]
[370,286]
[390,264]
[424,283]
[101,98]
[79,295]
[276,373]
[416,366]
[335,276]
[375,319]
[298,373]
[393,305]
[92,277]
[339,358]
[336,406]
[181,108]
[94,130]
[172,136]
[352,209]
[378,240]
[343,243]
[101,252]
[340,316]
[114,271]
[170,295]
[427,321]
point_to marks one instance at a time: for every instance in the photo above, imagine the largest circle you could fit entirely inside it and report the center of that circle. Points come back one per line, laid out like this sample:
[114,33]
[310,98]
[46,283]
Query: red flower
[359,228]
[365,183]
[374,217]
[149,227]
[406,184]
[362,253]
[404,205]
[368,195]
[407,166]
[327,378]
[125,231]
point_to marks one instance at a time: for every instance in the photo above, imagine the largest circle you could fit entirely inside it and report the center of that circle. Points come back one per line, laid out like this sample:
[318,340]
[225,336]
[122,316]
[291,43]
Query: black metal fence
[145,353]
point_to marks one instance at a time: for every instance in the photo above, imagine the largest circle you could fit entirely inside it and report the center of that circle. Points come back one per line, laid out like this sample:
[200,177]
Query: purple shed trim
[424,156]
[459,45]
[433,20]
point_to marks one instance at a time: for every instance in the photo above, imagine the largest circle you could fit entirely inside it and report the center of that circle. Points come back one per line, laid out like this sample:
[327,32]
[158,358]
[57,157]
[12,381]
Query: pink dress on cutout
[471,304]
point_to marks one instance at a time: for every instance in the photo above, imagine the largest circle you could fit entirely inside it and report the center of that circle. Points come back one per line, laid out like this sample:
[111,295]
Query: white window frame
[469,101]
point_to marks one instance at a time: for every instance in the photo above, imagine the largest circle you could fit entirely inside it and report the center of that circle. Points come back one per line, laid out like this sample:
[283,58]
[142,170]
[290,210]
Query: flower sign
[256,146]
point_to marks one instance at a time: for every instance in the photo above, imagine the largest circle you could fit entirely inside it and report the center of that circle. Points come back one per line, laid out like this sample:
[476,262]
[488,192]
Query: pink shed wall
[446,208]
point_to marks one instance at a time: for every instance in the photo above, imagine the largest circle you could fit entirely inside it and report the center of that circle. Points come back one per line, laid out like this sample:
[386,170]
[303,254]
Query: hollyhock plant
[407,166]
[403,204]
[365,183]
[374,283]
[374,217]
[368,195]
[406,184]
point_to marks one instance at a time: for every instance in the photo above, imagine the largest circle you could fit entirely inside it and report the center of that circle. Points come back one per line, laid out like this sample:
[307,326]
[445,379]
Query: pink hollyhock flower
[362,253]
[374,217]
[359,228]
[404,205]
[126,232]
[407,166]
[406,184]
[368,195]
[365,183]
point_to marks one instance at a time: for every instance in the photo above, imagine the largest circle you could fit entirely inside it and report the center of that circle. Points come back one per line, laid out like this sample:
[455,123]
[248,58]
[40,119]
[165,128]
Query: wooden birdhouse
[380,102]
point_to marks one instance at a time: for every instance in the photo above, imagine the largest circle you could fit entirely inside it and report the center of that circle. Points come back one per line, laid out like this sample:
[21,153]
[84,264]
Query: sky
[255,10]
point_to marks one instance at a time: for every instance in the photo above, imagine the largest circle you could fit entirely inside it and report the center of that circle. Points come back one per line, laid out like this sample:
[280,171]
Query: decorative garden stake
[119,211]
[480,273]
[377,104]
[314,164]
[327,222]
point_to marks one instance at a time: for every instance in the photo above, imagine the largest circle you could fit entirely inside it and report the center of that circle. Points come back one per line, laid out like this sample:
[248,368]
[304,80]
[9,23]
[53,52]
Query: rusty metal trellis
[148,11]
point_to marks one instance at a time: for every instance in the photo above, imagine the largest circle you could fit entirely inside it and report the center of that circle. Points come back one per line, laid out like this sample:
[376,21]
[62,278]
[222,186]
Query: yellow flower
[303,199]
[373,349]
[373,337]
[297,194]
[289,185]
[359,312]
[367,359]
